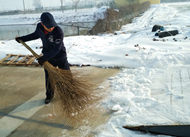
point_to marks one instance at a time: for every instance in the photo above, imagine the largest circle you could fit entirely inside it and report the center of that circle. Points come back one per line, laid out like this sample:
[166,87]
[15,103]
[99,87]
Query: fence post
[78,28]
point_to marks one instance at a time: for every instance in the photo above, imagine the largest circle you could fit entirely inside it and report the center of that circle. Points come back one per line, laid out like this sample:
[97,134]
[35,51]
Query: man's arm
[29,37]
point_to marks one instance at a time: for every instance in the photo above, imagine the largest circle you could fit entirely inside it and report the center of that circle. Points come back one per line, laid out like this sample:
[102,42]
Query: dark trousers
[62,63]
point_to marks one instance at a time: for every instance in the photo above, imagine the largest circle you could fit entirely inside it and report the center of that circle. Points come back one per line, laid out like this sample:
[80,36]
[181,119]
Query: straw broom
[74,94]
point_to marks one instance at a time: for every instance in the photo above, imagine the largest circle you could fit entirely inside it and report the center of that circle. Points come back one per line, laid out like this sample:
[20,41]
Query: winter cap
[48,20]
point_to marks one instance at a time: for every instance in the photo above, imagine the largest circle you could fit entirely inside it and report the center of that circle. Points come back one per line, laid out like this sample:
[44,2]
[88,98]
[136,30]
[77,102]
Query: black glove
[18,38]
[41,60]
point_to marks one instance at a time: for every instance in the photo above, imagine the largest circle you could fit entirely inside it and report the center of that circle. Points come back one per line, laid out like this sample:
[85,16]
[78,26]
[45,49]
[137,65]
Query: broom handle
[34,53]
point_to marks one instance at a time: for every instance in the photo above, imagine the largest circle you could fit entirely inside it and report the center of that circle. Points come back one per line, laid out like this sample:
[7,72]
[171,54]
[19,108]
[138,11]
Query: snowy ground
[68,16]
[152,87]
[22,24]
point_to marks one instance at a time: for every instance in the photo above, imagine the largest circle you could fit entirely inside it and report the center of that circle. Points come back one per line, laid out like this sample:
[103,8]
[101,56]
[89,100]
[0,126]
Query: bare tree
[24,6]
[37,4]
[75,4]
[62,5]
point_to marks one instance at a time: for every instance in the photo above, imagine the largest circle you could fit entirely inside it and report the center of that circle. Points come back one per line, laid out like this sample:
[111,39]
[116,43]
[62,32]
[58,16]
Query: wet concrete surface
[19,84]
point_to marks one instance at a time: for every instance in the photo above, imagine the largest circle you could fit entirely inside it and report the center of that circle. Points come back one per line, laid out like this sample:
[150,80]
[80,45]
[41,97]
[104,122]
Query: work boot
[48,100]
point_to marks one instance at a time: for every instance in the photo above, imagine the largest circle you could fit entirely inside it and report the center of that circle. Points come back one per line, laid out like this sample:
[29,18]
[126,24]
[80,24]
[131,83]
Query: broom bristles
[75,95]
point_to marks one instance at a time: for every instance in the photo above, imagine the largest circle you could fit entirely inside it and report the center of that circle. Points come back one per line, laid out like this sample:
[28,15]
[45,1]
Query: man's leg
[62,63]
[49,91]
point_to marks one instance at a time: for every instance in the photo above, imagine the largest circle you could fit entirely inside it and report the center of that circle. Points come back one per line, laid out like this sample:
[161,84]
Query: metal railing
[10,31]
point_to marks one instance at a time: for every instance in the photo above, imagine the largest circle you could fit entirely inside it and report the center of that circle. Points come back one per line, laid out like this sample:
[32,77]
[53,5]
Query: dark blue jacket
[53,46]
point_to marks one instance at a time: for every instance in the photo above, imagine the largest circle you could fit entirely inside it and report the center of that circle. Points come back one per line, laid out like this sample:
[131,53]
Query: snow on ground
[152,87]
[68,16]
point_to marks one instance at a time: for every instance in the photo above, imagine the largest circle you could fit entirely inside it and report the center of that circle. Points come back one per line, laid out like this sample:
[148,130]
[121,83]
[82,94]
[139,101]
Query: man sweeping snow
[53,47]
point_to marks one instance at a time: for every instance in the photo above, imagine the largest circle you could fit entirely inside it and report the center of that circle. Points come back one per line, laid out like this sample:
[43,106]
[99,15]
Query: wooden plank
[31,60]
[17,55]
[22,60]
[21,55]
[7,57]
[21,64]
[25,60]
[13,60]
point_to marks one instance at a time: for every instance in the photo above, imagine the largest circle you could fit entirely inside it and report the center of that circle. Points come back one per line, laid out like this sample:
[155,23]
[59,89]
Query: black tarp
[167,33]
[172,130]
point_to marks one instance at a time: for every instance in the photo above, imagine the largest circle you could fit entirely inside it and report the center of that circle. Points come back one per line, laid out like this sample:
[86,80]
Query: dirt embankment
[114,19]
